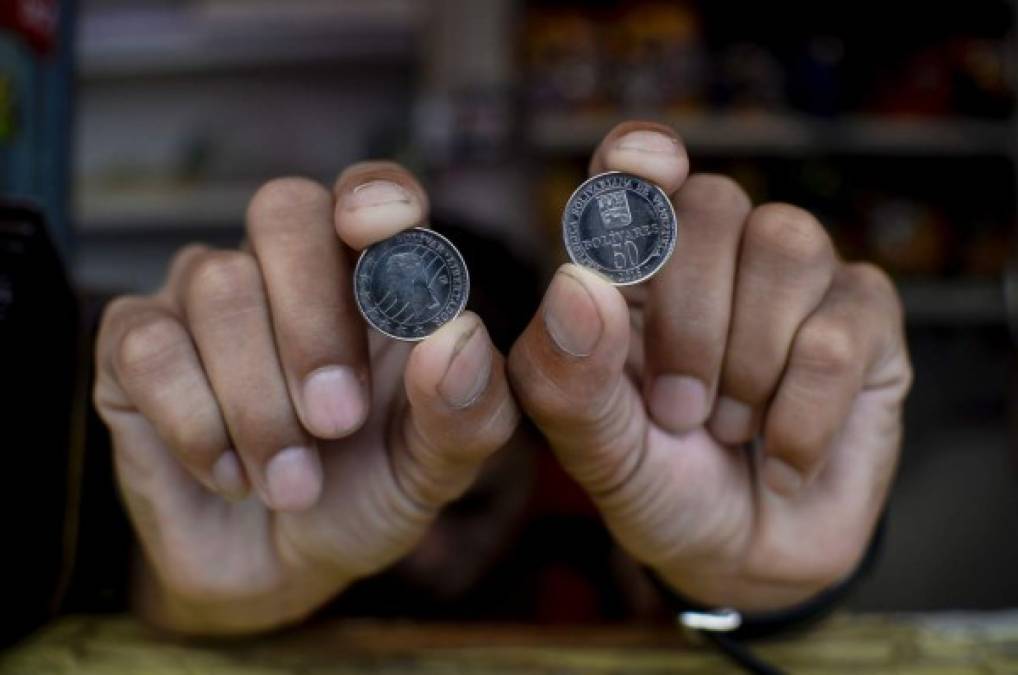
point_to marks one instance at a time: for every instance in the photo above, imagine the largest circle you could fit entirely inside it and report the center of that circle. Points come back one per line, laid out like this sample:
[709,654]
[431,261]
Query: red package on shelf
[35,20]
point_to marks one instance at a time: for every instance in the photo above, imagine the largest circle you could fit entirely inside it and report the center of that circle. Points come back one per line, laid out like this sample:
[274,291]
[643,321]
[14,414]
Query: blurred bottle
[984,77]
[656,57]
[966,76]
[563,59]
[908,238]
[816,76]
[751,79]
[987,249]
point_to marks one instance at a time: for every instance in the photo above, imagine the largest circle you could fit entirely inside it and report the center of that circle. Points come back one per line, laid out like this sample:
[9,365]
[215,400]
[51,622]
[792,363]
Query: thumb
[460,412]
[381,495]
[567,370]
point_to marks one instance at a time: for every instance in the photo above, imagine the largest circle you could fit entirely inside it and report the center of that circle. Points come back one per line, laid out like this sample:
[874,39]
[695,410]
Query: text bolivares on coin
[621,226]
[409,285]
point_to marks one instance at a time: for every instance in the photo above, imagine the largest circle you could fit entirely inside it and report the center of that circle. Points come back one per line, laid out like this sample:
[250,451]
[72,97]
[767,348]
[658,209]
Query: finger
[320,337]
[567,370]
[785,267]
[833,356]
[169,294]
[645,149]
[456,412]
[375,200]
[226,308]
[460,412]
[151,355]
[689,303]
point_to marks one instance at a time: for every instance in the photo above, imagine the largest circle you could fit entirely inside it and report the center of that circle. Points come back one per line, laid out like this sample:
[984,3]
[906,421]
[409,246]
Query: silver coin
[621,226]
[411,284]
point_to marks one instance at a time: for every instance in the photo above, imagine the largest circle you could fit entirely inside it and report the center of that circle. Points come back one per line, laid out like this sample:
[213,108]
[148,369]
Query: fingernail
[377,193]
[648,141]
[733,421]
[571,317]
[468,371]
[679,402]
[294,479]
[228,476]
[782,477]
[334,401]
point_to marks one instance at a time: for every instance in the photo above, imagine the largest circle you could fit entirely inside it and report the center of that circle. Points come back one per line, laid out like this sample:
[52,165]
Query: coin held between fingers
[411,284]
[620,225]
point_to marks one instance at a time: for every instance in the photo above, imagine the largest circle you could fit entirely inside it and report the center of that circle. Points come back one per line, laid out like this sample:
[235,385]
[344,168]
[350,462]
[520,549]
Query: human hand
[754,329]
[268,448]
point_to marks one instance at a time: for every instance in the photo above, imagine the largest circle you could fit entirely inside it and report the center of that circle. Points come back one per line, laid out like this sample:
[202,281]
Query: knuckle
[799,440]
[750,376]
[875,285]
[179,266]
[224,276]
[149,345]
[802,449]
[826,346]
[788,233]
[871,277]
[264,424]
[283,194]
[425,471]
[199,442]
[714,192]
[117,310]
[182,257]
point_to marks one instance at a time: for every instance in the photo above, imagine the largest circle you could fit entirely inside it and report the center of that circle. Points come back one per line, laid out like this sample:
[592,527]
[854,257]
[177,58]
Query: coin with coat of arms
[409,285]
[621,226]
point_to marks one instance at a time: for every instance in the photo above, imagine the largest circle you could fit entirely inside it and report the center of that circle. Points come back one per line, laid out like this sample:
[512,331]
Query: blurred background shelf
[953,302]
[163,207]
[790,134]
[226,36]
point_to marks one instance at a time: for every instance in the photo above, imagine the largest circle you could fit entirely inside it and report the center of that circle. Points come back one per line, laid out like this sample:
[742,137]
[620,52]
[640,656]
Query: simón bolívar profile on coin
[409,285]
[621,226]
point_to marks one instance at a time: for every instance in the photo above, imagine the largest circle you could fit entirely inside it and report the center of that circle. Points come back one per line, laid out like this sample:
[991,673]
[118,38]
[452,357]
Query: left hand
[755,329]
[269,449]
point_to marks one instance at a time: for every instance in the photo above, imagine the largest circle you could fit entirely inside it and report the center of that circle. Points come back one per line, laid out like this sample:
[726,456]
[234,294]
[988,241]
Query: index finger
[320,338]
[646,149]
[375,200]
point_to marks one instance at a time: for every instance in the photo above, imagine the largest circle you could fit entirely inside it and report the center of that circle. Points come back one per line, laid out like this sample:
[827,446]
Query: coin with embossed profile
[621,226]
[409,285]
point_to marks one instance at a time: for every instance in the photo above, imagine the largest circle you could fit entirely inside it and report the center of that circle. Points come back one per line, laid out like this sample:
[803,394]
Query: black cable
[741,654]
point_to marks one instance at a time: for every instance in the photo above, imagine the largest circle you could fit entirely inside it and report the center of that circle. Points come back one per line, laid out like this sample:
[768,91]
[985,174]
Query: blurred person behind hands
[271,451]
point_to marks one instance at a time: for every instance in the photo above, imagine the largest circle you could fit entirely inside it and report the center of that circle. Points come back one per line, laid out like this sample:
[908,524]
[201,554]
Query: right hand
[269,450]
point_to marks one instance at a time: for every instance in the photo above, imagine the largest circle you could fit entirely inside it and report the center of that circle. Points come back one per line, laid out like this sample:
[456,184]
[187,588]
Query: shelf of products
[224,35]
[790,134]
[902,139]
[674,57]
[163,207]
